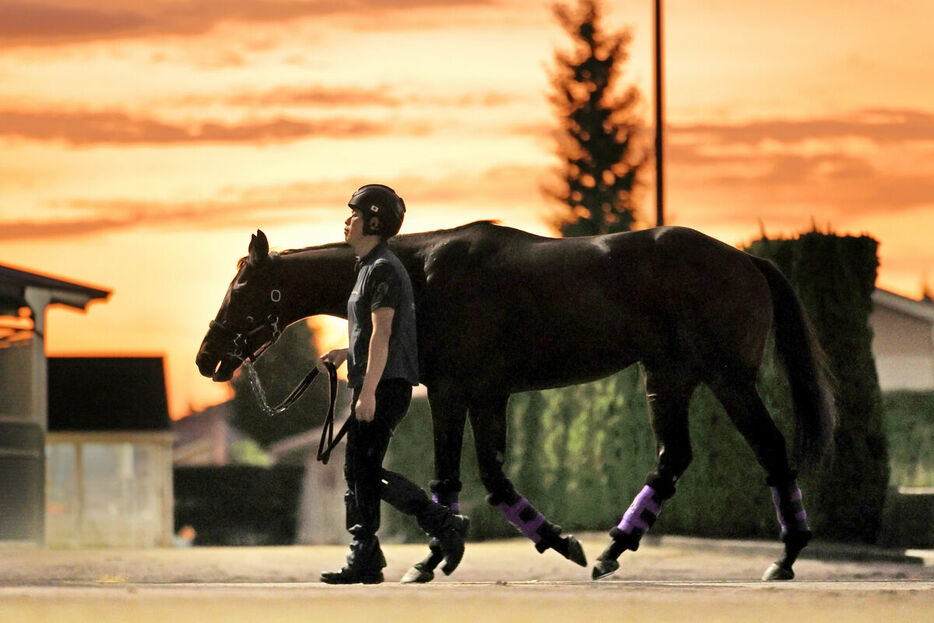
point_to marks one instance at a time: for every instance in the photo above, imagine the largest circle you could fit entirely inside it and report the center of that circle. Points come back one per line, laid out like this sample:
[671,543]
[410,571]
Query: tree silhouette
[601,143]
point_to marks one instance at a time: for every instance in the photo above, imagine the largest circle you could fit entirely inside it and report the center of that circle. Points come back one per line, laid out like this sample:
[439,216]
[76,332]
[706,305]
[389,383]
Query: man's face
[353,227]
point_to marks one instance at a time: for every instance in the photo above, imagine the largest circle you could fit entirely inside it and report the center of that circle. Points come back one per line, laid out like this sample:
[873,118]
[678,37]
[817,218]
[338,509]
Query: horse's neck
[321,278]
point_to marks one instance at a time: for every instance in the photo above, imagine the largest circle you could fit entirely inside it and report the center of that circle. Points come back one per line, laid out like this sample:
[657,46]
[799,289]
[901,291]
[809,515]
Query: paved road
[680,580]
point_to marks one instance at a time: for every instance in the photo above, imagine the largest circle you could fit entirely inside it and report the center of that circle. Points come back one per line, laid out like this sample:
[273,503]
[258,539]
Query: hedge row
[238,504]
[909,427]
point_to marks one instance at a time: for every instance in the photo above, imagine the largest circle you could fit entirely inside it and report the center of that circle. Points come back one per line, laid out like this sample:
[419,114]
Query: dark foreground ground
[673,579]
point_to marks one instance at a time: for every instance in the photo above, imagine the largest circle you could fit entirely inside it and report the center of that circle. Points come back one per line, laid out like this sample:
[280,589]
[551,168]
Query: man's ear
[259,247]
[373,226]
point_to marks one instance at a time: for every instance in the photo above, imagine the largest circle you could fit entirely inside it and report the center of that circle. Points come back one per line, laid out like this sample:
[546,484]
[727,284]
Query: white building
[24,298]
[903,341]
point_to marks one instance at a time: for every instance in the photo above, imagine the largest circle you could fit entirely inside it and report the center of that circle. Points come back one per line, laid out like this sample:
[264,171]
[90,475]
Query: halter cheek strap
[253,343]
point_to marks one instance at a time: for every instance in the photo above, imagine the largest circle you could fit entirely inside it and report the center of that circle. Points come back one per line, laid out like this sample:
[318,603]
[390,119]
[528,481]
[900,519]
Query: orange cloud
[56,21]
[878,125]
[320,96]
[115,127]
[832,167]
[251,205]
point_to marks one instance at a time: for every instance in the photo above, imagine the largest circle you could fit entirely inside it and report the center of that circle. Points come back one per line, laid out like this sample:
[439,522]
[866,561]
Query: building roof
[14,281]
[922,310]
[107,394]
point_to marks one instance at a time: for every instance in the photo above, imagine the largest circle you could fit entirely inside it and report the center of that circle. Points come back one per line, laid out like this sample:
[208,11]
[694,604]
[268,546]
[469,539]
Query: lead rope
[328,440]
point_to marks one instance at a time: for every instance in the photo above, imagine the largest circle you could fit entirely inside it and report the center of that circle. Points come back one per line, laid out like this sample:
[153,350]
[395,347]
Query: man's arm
[376,362]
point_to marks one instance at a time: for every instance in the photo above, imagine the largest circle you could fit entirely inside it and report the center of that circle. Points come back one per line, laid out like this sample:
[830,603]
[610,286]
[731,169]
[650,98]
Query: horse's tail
[805,365]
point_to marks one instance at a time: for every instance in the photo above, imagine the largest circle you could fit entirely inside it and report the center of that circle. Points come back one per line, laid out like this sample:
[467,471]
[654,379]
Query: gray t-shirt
[382,282]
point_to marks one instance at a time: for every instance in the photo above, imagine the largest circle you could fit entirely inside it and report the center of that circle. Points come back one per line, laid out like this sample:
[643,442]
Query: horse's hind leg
[448,416]
[745,408]
[669,395]
[488,420]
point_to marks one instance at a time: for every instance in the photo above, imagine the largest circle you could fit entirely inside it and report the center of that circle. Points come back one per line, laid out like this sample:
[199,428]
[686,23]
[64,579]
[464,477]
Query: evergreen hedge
[580,454]
[909,427]
[835,277]
[238,504]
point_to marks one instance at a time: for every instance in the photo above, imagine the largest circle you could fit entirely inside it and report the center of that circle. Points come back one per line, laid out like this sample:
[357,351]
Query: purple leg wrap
[642,513]
[789,508]
[454,506]
[514,514]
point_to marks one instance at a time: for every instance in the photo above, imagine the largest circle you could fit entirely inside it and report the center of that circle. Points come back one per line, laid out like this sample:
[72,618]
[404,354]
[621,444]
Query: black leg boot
[446,493]
[445,526]
[448,530]
[365,563]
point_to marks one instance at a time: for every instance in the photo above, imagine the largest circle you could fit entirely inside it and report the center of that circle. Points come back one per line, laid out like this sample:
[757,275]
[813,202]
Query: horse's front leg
[448,416]
[488,421]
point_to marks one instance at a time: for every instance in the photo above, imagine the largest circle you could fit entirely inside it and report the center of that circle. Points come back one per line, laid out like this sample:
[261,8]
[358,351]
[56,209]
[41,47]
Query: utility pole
[659,121]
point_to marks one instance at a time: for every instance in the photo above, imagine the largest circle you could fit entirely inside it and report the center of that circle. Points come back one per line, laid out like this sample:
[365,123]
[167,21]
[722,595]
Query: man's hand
[337,357]
[365,408]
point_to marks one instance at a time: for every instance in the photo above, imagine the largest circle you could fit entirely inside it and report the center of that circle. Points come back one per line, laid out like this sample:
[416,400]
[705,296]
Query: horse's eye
[250,320]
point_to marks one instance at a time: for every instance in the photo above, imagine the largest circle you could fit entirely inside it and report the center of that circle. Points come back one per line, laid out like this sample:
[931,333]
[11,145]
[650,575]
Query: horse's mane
[329,245]
[422,234]
[481,225]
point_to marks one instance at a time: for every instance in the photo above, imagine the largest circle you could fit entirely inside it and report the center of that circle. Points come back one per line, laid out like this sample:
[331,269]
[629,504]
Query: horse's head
[248,320]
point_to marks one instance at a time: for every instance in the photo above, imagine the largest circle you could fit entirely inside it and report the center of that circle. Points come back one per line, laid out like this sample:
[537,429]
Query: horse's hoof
[778,573]
[417,575]
[576,552]
[452,543]
[604,568]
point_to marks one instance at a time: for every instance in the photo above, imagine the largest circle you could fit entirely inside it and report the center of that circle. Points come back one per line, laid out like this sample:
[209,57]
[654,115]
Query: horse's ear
[259,247]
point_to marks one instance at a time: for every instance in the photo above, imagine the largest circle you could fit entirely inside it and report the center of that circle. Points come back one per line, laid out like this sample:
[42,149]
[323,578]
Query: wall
[109,490]
[903,347]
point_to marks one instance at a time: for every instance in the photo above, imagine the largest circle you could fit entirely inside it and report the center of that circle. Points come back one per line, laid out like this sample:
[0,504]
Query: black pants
[367,481]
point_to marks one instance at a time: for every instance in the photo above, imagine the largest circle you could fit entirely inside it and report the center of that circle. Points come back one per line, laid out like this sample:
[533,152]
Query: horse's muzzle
[217,368]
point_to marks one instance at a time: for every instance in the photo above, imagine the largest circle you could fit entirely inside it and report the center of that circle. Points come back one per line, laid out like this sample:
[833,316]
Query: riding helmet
[383,210]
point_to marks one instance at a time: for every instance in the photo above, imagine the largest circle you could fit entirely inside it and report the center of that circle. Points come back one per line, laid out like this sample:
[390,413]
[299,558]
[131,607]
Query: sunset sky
[142,143]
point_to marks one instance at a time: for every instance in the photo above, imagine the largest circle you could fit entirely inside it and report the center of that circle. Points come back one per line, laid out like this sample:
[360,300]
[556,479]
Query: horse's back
[544,312]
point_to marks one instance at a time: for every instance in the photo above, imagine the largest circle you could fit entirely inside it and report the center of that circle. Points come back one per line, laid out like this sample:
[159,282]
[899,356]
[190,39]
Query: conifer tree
[602,146]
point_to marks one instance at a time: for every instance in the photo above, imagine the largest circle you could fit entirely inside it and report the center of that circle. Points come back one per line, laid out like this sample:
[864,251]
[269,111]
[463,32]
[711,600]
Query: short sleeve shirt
[382,281]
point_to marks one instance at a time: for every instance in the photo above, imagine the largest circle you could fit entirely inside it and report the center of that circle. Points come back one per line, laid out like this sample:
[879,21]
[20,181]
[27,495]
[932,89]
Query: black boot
[451,540]
[365,564]
[448,529]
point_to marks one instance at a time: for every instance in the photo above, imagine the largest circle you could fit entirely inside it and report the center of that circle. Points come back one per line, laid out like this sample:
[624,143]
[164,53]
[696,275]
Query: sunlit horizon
[142,145]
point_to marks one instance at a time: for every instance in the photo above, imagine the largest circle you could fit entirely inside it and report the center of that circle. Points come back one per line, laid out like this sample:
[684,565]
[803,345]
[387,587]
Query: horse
[501,311]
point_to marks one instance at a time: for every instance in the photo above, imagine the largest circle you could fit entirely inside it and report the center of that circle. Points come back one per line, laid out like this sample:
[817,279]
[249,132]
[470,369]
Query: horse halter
[253,342]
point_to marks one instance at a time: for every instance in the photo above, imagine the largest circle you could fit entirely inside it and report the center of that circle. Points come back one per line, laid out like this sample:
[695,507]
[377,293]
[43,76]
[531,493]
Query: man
[382,367]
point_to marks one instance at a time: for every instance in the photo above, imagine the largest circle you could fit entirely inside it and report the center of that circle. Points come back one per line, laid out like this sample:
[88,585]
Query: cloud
[878,125]
[51,22]
[321,96]
[22,22]
[80,128]
[337,97]
[115,127]
[767,166]
[285,202]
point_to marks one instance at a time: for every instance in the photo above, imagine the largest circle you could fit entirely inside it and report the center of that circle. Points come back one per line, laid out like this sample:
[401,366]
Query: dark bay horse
[502,311]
